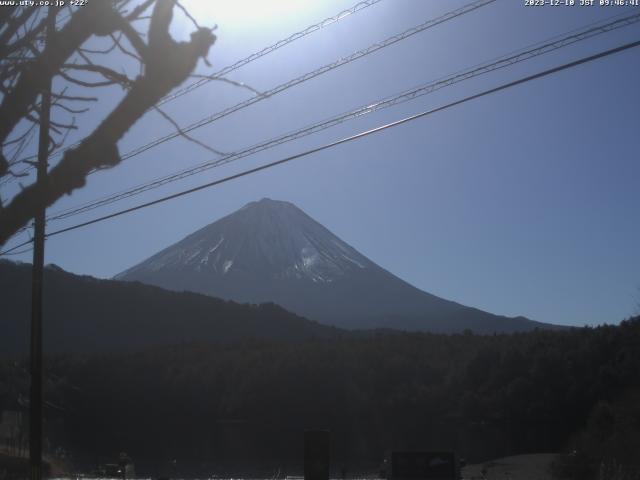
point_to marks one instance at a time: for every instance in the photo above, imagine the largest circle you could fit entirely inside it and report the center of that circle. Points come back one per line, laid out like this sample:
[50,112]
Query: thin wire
[12,251]
[238,64]
[9,253]
[347,139]
[9,250]
[307,76]
[310,75]
[271,48]
[502,62]
[366,133]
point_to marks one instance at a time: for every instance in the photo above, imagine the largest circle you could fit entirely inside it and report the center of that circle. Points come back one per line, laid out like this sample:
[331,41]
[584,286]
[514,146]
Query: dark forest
[218,408]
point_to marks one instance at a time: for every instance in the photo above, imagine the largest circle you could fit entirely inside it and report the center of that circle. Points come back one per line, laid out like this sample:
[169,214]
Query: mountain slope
[84,314]
[271,251]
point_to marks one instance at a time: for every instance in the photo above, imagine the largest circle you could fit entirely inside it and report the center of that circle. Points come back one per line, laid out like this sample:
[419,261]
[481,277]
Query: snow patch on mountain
[271,251]
[227,265]
[274,238]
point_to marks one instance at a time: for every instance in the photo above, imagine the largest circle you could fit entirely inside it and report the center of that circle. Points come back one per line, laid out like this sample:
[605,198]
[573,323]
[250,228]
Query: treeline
[243,407]
[85,314]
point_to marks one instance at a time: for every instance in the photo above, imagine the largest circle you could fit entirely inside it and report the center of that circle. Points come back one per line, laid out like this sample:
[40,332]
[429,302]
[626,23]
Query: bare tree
[27,64]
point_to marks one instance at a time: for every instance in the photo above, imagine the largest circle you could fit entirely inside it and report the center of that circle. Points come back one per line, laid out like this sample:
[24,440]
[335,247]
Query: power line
[312,74]
[299,80]
[234,66]
[271,48]
[14,248]
[505,86]
[540,48]
[308,76]
[18,253]
[366,133]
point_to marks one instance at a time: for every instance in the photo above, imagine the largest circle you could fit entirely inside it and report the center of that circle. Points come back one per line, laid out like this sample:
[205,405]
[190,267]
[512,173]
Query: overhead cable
[234,66]
[358,136]
[408,95]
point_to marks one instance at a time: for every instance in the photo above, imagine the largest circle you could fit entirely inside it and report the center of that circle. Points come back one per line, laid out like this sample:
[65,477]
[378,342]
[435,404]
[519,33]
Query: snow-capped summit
[271,251]
[268,239]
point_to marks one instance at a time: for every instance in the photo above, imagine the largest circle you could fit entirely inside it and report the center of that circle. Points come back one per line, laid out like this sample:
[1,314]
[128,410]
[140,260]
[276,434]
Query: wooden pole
[36,400]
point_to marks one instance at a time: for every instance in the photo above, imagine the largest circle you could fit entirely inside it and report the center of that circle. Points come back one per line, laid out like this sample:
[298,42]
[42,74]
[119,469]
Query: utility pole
[35,401]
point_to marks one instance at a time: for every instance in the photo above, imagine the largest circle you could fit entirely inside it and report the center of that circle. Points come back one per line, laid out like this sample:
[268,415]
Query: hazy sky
[521,203]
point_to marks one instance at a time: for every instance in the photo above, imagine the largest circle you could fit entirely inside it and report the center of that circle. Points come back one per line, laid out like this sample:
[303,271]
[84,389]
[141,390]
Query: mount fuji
[271,251]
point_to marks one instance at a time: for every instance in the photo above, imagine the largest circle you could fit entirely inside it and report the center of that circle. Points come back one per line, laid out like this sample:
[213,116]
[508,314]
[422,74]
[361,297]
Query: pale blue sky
[521,203]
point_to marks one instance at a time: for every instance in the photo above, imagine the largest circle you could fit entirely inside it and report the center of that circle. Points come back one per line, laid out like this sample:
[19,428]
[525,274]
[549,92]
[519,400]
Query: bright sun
[245,14]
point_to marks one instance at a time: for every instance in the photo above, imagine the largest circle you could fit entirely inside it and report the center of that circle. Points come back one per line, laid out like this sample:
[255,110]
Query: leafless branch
[188,15]
[117,41]
[74,98]
[186,135]
[69,109]
[167,64]
[17,175]
[106,72]
[139,10]
[59,125]
[83,83]
[101,52]
[96,18]
[232,82]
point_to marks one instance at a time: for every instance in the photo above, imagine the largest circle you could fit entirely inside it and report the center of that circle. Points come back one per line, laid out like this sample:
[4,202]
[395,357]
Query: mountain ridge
[272,251]
[300,254]
[83,314]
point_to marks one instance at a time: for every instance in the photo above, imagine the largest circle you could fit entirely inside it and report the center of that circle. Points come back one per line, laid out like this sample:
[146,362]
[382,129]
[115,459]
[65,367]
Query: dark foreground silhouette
[241,408]
[84,314]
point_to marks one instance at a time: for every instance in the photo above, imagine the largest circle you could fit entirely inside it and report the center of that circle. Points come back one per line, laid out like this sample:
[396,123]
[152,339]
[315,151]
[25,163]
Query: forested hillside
[223,408]
[85,315]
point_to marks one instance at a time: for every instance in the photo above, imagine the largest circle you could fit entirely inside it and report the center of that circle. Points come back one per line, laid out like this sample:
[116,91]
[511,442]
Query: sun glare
[247,14]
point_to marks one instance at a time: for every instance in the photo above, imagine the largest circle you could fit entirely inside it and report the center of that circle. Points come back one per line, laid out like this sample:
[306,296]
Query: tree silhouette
[28,64]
